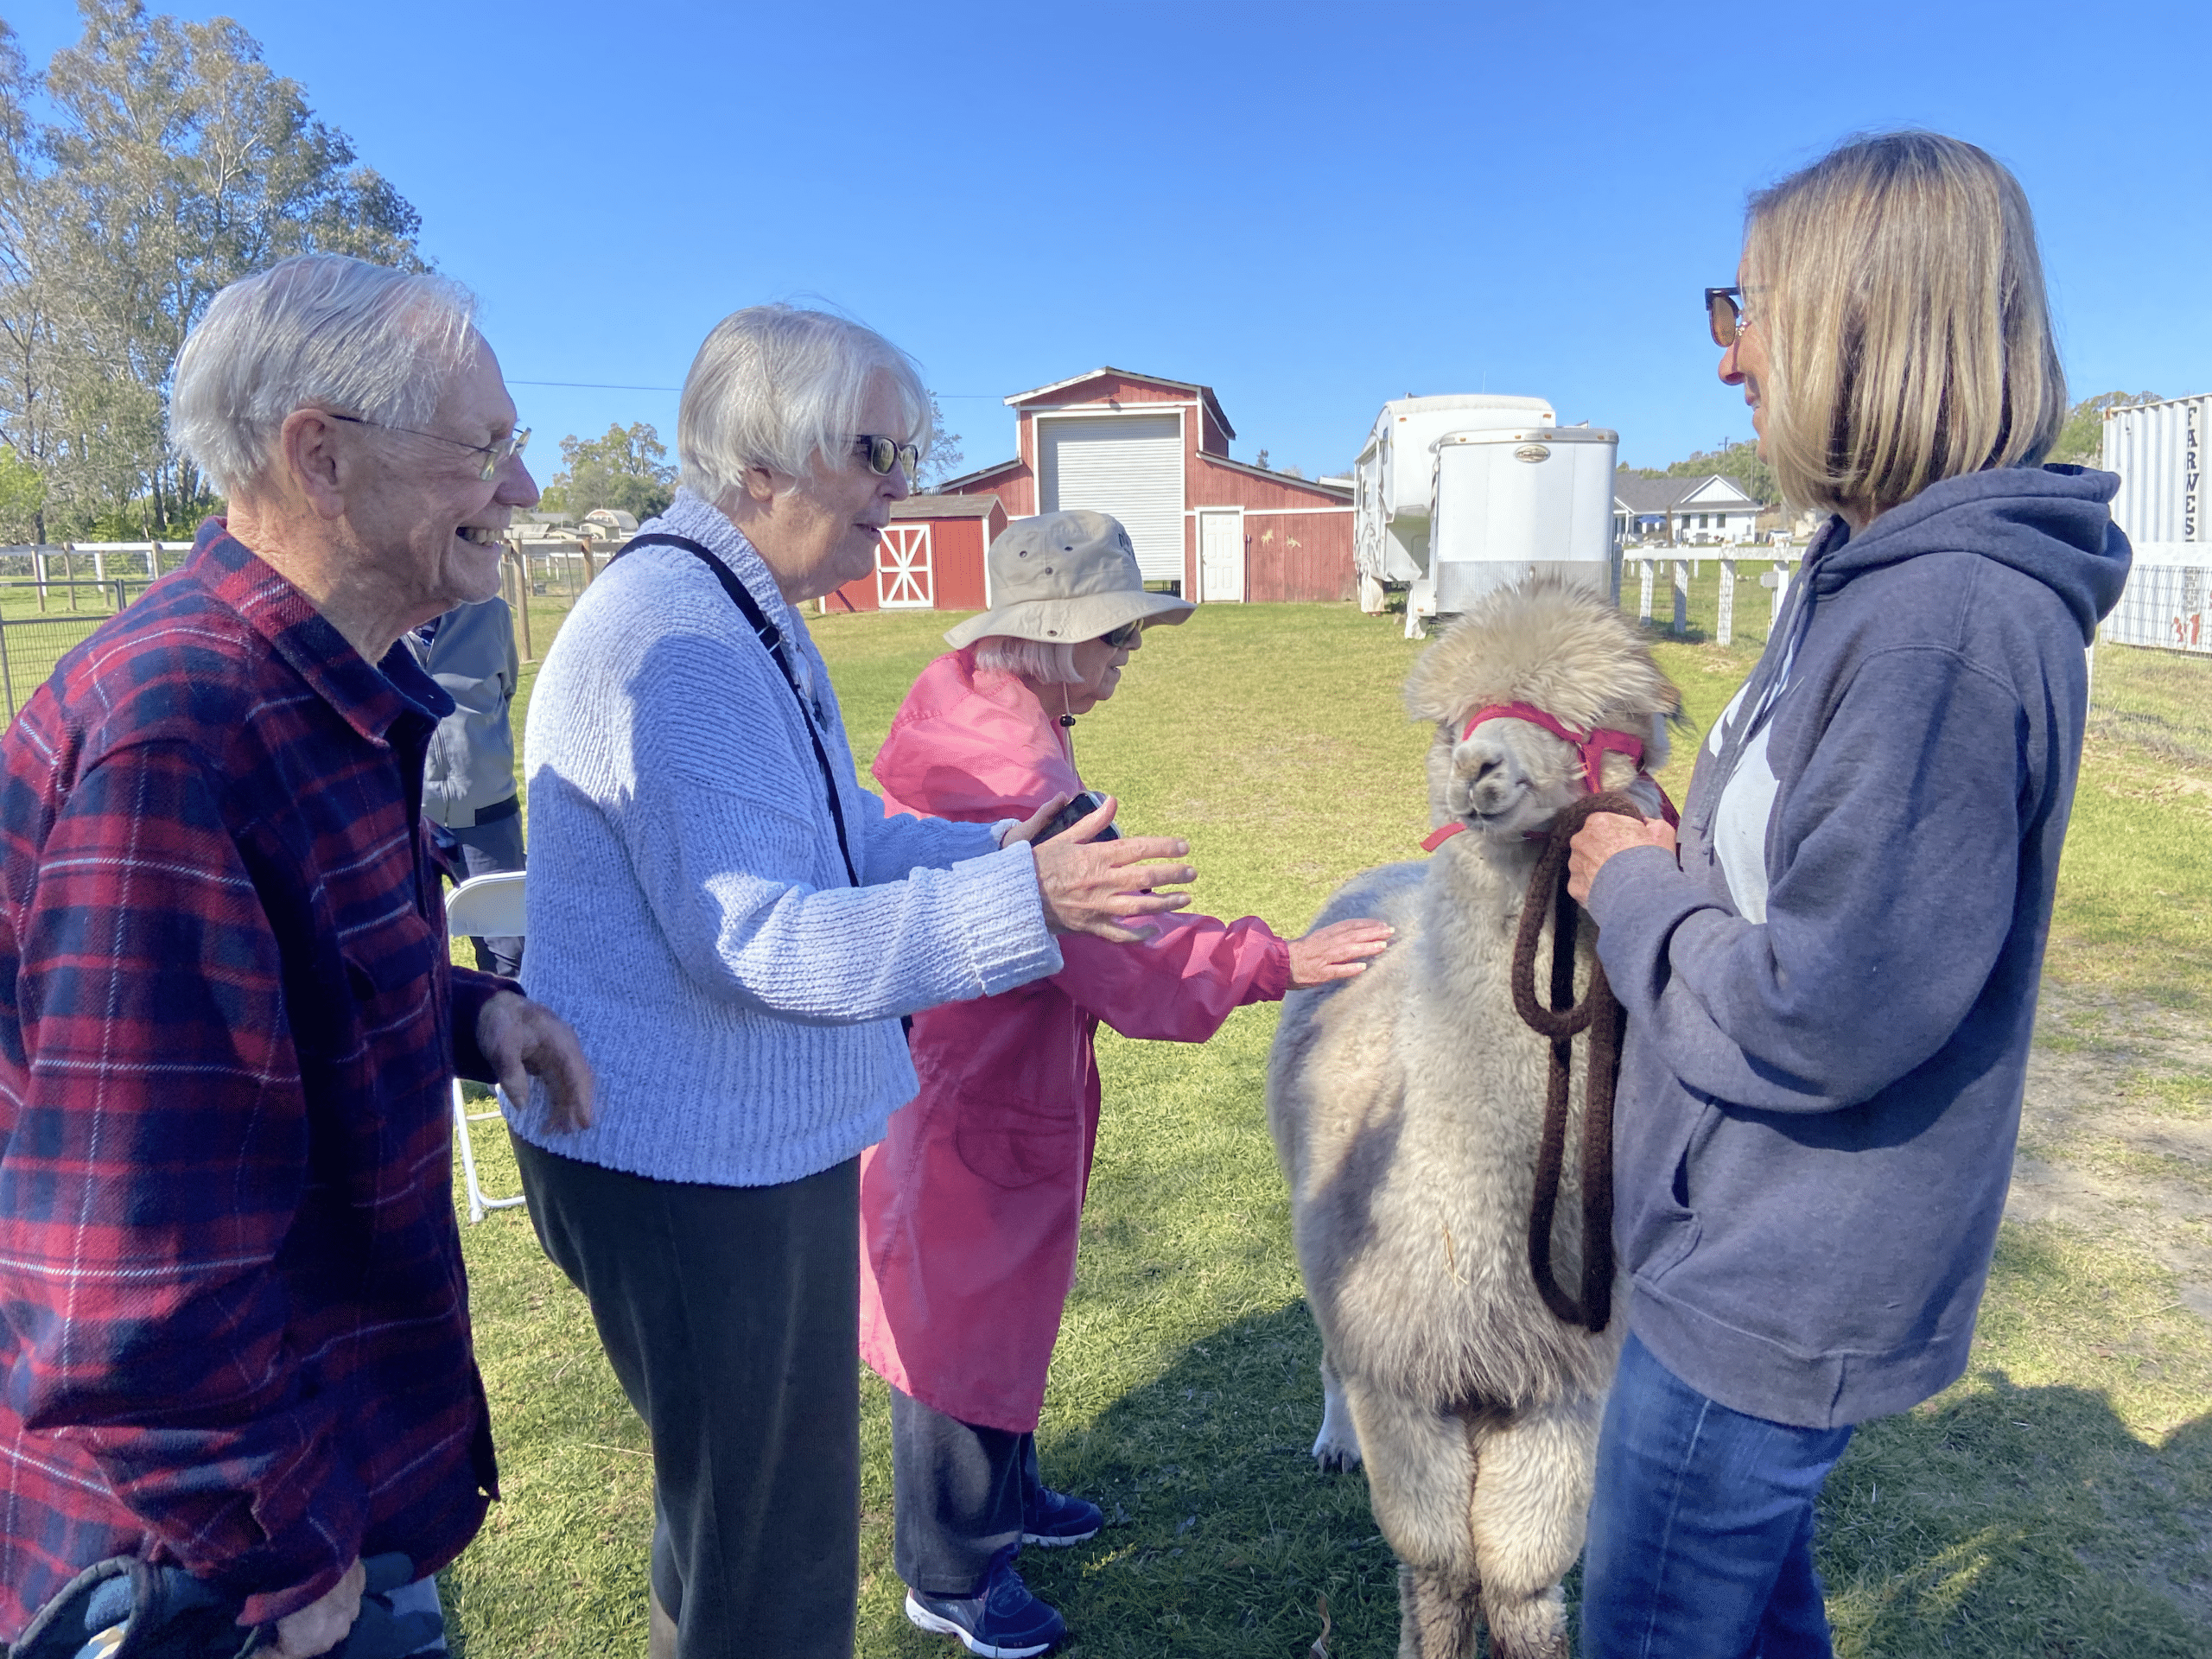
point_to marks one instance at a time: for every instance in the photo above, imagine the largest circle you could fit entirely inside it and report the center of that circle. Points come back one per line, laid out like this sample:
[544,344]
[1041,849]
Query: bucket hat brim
[1069,621]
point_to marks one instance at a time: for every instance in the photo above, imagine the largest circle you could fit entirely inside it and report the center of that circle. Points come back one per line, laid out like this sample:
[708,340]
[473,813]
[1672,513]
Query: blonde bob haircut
[1908,339]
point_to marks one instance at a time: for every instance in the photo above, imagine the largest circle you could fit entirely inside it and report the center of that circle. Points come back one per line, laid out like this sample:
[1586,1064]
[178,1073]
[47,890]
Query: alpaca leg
[1420,1482]
[1436,1615]
[1337,1447]
[1531,1508]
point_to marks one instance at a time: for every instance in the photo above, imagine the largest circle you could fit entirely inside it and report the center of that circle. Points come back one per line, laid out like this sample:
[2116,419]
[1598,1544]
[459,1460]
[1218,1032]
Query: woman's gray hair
[1048,662]
[320,331]
[783,389]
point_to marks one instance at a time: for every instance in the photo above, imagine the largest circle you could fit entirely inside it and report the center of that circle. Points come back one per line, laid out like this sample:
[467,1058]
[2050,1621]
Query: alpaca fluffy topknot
[1547,642]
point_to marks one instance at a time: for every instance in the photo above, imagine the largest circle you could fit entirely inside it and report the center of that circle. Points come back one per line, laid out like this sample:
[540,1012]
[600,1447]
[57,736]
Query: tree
[944,459]
[2081,439]
[31,347]
[626,469]
[23,496]
[177,163]
[1738,462]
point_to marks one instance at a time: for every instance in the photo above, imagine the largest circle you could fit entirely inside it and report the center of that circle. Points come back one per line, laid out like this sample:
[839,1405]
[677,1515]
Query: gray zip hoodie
[1830,1000]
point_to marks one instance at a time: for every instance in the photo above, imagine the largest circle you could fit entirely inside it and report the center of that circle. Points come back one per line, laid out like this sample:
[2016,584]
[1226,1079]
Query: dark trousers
[486,850]
[731,1317]
[958,1496]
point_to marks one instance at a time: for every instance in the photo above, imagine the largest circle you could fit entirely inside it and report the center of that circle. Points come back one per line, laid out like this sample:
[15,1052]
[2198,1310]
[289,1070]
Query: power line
[602,385]
[597,385]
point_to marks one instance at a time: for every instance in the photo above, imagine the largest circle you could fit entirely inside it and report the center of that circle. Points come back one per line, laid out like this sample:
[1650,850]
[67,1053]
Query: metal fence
[542,579]
[31,645]
[2169,600]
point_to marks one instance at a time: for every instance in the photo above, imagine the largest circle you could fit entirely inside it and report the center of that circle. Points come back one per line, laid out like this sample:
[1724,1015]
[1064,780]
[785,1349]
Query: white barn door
[903,578]
[1130,466]
[1221,556]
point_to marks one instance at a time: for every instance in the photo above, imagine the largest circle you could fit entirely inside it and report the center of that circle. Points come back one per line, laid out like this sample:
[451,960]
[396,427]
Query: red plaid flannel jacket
[233,1323]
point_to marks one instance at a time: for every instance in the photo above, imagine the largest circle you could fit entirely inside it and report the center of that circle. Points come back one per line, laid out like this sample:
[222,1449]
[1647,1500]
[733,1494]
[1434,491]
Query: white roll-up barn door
[1130,466]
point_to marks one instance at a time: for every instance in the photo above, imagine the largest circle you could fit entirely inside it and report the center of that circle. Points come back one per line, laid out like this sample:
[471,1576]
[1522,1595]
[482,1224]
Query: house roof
[1664,494]
[944,506]
[1331,486]
[952,486]
[1212,403]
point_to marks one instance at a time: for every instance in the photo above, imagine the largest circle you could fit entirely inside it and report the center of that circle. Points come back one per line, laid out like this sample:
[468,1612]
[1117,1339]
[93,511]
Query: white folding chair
[484,906]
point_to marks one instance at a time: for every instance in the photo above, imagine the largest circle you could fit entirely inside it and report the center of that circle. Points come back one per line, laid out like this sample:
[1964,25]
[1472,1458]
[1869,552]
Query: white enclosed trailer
[2160,450]
[1455,496]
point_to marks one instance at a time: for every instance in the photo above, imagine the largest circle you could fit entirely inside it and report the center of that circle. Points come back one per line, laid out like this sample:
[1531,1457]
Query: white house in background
[1686,511]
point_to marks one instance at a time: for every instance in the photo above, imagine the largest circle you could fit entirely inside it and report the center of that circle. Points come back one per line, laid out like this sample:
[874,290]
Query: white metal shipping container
[1514,504]
[1394,481]
[2159,451]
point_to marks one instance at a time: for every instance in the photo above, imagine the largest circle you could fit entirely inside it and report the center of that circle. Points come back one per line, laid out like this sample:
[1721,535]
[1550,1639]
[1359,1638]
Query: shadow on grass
[1222,1534]
[2004,1521]
[1997,1520]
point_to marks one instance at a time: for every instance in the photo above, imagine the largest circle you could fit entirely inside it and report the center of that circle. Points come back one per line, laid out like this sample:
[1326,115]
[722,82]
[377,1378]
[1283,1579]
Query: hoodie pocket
[1668,1225]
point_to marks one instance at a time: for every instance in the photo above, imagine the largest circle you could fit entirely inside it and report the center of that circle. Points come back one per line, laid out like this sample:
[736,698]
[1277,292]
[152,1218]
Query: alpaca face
[1507,778]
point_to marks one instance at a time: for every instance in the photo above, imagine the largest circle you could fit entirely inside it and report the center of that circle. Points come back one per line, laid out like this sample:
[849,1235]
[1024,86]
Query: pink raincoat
[970,1206]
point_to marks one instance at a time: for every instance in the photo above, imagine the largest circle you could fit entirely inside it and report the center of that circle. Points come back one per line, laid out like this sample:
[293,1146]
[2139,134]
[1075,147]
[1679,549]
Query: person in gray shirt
[468,777]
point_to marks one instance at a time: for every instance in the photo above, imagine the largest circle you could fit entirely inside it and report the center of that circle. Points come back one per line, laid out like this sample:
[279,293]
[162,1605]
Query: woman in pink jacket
[970,1206]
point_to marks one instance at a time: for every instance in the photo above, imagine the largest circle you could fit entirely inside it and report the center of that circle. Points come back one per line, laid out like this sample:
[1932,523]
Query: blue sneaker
[1005,1622]
[1053,1519]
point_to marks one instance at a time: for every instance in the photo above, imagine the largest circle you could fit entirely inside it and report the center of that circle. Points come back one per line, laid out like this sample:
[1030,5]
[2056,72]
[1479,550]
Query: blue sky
[1310,208]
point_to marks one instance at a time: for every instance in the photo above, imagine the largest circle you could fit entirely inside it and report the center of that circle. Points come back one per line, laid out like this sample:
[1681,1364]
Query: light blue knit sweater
[687,911]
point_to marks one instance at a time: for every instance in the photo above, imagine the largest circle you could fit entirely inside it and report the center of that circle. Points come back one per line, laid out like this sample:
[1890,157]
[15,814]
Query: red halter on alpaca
[1593,746]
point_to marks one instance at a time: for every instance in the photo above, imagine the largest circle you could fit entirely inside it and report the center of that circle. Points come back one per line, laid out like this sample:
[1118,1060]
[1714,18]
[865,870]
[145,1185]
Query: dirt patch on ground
[2116,1130]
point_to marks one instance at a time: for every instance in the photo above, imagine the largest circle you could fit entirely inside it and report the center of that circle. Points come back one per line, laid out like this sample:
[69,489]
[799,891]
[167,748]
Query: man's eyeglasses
[495,453]
[1724,312]
[1125,637]
[884,453]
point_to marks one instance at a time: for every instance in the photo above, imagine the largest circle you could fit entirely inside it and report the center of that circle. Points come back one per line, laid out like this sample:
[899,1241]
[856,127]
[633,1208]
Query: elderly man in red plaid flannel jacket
[234,1338]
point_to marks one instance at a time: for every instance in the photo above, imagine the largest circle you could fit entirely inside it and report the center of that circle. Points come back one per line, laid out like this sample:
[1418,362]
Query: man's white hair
[320,331]
[1048,662]
[784,389]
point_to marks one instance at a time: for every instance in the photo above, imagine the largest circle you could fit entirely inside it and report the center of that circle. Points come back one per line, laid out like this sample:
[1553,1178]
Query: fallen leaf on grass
[1321,1647]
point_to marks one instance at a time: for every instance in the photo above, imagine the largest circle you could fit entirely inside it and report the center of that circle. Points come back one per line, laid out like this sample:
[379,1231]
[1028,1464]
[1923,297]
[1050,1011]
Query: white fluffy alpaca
[1407,1104]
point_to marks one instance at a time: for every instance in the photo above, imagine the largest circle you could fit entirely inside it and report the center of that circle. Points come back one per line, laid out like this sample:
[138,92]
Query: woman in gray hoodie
[1831,983]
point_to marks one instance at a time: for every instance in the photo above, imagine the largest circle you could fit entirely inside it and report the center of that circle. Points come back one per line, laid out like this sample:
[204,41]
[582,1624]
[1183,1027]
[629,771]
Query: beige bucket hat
[1064,577]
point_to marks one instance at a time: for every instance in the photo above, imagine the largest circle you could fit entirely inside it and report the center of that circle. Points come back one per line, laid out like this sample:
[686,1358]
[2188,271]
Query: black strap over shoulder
[772,636]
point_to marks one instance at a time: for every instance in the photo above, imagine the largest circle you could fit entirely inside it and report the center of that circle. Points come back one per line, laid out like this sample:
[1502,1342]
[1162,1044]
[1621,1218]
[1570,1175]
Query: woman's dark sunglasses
[885,453]
[1125,637]
[1724,313]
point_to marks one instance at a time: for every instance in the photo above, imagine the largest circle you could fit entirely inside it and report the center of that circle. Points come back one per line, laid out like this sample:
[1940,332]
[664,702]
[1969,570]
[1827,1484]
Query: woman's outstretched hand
[1090,886]
[1337,951]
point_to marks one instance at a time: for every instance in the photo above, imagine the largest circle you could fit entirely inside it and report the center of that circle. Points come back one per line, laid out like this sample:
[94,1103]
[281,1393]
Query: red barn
[930,558]
[1154,454]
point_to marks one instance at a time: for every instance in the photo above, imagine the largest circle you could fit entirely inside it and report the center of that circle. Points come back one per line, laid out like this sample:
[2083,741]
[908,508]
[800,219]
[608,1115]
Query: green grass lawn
[2059,1500]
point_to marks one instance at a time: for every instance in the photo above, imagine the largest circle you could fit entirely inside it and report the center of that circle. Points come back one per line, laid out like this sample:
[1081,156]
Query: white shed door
[1130,466]
[903,572]
[1220,557]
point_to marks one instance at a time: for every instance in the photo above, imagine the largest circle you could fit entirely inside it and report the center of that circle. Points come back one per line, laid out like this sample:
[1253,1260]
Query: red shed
[1154,453]
[930,558]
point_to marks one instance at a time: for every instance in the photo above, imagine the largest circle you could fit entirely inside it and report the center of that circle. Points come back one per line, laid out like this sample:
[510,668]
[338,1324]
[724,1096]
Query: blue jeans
[1701,1527]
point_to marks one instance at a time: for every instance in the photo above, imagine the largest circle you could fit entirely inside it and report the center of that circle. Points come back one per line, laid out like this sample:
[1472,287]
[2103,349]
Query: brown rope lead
[1600,1015]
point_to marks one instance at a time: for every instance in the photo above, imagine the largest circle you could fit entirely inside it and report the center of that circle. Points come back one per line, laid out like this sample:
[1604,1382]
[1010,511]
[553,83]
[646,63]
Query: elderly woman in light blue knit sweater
[735,928]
